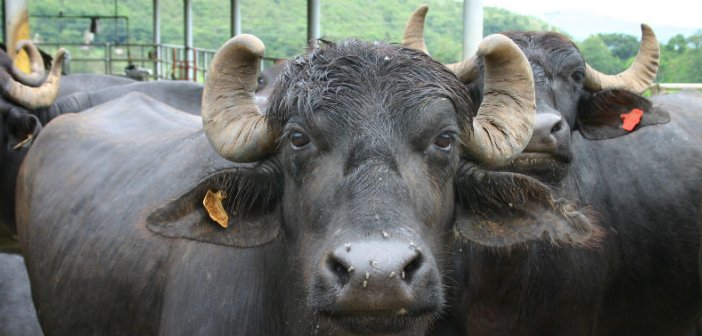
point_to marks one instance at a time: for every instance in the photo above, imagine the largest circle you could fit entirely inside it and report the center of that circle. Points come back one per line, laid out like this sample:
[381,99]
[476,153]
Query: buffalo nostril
[339,269]
[411,268]
[557,127]
[545,138]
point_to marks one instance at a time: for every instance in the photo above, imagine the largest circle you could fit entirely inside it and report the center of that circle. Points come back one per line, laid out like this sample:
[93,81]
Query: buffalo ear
[500,209]
[600,114]
[21,128]
[252,205]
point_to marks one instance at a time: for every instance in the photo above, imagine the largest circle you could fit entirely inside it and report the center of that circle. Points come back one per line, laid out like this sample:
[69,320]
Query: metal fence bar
[660,88]
[168,59]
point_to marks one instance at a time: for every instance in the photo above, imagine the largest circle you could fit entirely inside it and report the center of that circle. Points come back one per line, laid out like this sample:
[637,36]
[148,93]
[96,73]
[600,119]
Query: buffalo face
[369,160]
[369,203]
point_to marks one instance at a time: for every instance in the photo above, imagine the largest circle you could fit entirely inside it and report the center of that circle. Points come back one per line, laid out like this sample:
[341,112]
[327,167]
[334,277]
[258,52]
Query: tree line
[281,24]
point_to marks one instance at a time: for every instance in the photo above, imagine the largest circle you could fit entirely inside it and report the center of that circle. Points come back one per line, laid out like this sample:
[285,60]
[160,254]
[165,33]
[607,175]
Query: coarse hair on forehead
[550,41]
[552,44]
[340,78]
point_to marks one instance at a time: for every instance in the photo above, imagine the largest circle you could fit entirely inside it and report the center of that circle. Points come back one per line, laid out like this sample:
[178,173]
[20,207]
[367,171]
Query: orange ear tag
[213,205]
[631,119]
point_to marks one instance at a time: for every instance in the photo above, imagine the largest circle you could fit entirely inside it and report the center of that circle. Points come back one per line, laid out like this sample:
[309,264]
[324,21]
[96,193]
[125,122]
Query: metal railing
[661,88]
[164,61]
[168,61]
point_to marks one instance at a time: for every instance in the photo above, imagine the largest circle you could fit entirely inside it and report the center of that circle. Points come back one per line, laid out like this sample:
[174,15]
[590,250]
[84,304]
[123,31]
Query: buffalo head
[571,96]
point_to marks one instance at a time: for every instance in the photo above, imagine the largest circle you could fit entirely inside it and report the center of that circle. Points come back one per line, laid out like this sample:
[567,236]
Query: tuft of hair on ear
[247,216]
[249,192]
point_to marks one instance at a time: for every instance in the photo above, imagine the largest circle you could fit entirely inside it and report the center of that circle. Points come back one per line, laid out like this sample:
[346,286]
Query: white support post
[188,38]
[472,26]
[313,19]
[156,10]
[235,19]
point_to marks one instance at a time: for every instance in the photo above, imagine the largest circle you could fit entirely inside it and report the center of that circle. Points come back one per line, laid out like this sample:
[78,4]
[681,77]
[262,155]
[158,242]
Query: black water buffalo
[17,314]
[182,95]
[330,214]
[85,82]
[17,126]
[630,166]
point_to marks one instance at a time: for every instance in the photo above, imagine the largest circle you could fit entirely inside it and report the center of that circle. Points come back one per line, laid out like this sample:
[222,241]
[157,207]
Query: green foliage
[620,45]
[600,57]
[681,60]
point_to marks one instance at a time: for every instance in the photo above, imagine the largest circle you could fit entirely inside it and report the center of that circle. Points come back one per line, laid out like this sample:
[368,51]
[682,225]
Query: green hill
[281,24]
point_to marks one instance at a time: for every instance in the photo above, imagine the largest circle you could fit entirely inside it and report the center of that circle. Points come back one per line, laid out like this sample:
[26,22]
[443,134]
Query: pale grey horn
[233,123]
[639,76]
[34,97]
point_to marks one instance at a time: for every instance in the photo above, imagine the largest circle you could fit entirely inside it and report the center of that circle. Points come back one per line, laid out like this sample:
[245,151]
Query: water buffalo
[84,91]
[327,215]
[18,126]
[85,82]
[631,165]
[17,314]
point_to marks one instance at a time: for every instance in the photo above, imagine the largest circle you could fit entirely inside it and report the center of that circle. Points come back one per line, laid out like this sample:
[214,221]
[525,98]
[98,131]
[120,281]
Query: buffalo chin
[547,168]
[380,323]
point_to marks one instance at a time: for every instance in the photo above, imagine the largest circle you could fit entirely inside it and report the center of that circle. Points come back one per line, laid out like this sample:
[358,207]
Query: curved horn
[233,123]
[34,97]
[505,121]
[413,37]
[466,70]
[414,30]
[639,76]
[36,76]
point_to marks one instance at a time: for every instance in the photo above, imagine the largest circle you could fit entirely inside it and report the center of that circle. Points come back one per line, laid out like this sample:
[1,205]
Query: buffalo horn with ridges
[505,120]
[233,123]
[413,37]
[34,97]
[36,65]
[639,76]
[414,30]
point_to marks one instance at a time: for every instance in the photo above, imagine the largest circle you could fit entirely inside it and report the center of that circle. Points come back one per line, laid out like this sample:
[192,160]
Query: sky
[583,18]
[679,13]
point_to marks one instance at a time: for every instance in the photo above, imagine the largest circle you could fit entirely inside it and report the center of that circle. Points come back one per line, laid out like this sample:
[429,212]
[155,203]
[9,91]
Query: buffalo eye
[578,76]
[261,81]
[445,140]
[298,139]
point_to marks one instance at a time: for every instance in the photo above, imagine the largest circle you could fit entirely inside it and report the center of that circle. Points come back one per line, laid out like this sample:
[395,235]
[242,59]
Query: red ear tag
[631,119]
